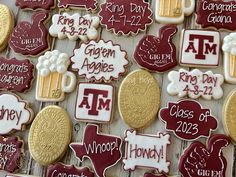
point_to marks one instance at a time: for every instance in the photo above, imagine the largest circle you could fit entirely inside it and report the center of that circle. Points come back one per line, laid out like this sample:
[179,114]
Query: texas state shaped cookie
[31,38]
[157,53]
[146,151]
[199,160]
[103,150]
[218,14]
[188,120]
[95,102]
[229,50]
[15,113]
[200,48]
[173,11]
[126,17]
[75,26]
[16,75]
[11,154]
[90,5]
[195,84]
[100,61]
[36,4]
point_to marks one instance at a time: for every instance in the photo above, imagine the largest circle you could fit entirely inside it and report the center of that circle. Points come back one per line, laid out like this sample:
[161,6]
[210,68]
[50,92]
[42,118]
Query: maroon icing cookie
[90,5]
[36,4]
[31,38]
[188,120]
[60,170]
[103,150]
[216,13]
[16,74]
[11,150]
[199,161]
[126,17]
[157,53]
[152,175]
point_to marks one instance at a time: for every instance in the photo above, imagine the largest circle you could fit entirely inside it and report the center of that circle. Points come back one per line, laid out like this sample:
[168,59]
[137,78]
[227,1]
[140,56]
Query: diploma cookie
[31,38]
[126,17]
[217,14]
[95,102]
[15,113]
[75,26]
[157,53]
[103,150]
[100,61]
[61,170]
[229,50]
[16,75]
[50,135]
[19,175]
[11,153]
[6,25]
[200,48]
[197,160]
[146,151]
[195,84]
[173,11]
[53,78]
[90,5]
[188,120]
[139,99]
[36,4]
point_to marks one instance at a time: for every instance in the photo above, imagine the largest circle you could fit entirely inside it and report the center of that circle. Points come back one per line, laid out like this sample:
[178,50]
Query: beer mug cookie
[229,49]
[53,78]
[173,11]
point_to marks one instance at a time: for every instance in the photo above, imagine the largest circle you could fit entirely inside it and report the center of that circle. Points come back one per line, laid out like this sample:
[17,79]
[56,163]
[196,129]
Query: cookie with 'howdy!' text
[36,4]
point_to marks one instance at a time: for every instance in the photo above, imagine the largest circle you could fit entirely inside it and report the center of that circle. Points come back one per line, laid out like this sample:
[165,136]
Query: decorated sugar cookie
[200,48]
[36,4]
[103,150]
[173,11]
[53,78]
[157,53]
[195,84]
[100,61]
[126,17]
[19,175]
[90,5]
[160,175]
[31,38]
[50,135]
[218,14]
[188,120]
[146,151]
[229,49]
[75,26]
[95,102]
[200,160]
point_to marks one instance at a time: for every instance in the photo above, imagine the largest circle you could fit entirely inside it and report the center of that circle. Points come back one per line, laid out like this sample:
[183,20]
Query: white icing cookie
[200,48]
[195,84]
[74,26]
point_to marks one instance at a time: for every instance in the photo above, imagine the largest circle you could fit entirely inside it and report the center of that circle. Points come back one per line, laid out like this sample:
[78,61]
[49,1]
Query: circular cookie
[139,99]
[50,135]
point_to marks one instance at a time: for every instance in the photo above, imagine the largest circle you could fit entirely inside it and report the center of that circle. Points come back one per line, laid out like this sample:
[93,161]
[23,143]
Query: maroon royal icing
[35,4]
[82,4]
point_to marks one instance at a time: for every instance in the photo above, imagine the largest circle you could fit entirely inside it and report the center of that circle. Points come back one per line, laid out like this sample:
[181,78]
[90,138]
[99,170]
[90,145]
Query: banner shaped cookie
[61,170]
[201,161]
[195,84]
[90,5]
[126,17]
[95,102]
[147,151]
[200,48]
[188,120]
[74,26]
[229,50]
[30,38]
[16,74]
[103,150]
[157,53]
[36,4]
[219,14]
[100,61]
[11,153]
